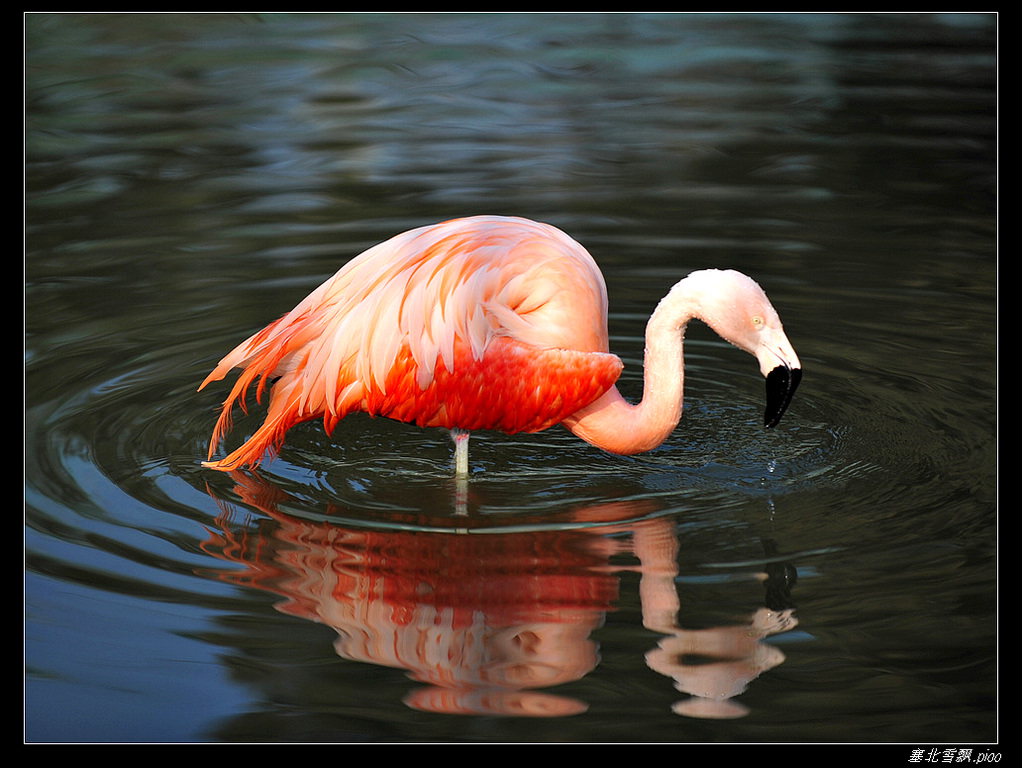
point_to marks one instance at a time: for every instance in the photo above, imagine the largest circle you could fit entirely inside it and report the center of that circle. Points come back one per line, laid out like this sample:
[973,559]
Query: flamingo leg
[460,437]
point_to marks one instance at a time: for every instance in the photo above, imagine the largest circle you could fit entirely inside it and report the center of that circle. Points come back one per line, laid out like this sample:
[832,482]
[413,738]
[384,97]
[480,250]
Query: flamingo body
[486,322]
[483,323]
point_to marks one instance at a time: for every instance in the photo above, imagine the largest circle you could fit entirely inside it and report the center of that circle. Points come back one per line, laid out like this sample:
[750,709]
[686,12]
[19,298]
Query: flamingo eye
[757,321]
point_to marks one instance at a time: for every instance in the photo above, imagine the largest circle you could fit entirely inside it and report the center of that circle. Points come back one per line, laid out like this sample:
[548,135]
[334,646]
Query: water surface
[190,178]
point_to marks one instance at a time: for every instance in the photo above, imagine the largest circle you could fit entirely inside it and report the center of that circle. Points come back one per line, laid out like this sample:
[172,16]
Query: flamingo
[487,322]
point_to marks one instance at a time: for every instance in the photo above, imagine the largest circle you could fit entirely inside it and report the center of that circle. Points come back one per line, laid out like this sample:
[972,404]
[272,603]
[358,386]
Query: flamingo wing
[480,323]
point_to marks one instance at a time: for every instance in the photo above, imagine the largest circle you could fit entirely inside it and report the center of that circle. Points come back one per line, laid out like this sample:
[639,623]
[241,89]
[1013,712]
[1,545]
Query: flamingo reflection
[489,620]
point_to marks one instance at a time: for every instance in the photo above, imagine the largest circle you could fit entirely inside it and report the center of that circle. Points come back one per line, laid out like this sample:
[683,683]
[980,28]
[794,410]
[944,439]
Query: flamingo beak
[781,383]
[780,365]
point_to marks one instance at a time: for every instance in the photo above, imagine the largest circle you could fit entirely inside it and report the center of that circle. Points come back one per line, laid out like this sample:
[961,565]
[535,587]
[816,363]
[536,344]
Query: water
[190,178]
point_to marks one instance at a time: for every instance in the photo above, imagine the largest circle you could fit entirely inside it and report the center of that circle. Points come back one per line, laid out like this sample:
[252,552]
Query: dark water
[190,178]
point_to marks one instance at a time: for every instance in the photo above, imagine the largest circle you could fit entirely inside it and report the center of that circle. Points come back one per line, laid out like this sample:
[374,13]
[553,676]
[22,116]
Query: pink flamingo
[488,323]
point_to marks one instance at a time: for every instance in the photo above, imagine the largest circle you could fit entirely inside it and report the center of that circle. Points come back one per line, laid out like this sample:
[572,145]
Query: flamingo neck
[617,426]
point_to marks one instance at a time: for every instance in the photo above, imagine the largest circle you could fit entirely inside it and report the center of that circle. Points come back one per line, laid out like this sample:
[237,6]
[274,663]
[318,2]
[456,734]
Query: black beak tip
[781,383]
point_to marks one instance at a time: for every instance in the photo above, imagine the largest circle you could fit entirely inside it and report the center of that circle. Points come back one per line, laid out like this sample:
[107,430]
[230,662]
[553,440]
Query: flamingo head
[736,308]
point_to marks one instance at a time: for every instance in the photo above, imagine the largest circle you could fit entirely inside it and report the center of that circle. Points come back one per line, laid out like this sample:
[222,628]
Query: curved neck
[615,425]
